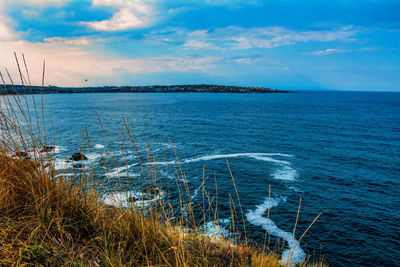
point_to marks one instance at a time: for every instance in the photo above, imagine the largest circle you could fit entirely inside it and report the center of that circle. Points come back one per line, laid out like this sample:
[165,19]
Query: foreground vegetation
[53,222]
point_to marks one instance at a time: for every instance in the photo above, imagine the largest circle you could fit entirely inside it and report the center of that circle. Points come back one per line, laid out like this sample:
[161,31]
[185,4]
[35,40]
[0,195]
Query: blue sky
[341,45]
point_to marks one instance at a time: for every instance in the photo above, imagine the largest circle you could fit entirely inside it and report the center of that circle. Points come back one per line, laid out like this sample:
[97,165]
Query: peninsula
[198,88]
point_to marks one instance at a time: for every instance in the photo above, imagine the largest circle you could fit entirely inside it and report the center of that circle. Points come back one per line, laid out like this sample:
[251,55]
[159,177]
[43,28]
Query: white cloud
[68,41]
[70,61]
[248,38]
[70,65]
[331,51]
[131,14]
[270,37]
[42,2]
[197,44]
[6,32]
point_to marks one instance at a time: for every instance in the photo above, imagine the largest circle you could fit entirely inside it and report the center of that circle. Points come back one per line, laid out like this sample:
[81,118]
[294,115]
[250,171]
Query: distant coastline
[198,88]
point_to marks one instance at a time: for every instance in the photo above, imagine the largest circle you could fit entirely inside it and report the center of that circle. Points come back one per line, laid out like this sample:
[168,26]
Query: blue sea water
[338,151]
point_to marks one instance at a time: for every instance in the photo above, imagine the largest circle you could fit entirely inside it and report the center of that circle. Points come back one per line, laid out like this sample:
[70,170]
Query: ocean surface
[337,151]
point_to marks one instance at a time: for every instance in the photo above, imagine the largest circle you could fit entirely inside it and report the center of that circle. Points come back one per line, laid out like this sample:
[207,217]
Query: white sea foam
[162,163]
[119,170]
[62,164]
[94,156]
[65,174]
[258,156]
[116,171]
[293,254]
[121,199]
[216,229]
[294,188]
[99,146]
[285,172]
[196,192]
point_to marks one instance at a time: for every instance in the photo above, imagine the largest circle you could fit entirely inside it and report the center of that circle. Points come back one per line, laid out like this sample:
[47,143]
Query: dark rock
[78,156]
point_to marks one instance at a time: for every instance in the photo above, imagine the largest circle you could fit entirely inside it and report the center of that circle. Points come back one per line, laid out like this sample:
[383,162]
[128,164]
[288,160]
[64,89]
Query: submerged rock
[78,156]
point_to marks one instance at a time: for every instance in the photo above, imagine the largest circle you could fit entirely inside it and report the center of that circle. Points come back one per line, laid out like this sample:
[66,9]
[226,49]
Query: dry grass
[54,220]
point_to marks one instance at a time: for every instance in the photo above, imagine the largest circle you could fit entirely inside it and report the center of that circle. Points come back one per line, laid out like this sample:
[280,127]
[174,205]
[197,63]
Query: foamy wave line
[118,170]
[99,146]
[257,156]
[285,172]
[293,254]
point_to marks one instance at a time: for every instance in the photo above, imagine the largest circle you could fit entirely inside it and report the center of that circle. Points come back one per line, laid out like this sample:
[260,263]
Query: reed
[58,220]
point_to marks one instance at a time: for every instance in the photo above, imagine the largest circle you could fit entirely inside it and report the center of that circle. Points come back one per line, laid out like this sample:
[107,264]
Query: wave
[216,229]
[285,173]
[257,156]
[62,164]
[99,146]
[293,253]
[118,170]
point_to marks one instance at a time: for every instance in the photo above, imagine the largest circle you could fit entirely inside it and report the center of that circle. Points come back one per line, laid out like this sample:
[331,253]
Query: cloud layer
[130,14]
[236,42]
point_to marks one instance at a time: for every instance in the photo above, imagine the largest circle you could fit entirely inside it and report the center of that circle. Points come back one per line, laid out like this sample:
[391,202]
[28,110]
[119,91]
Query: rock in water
[78,156]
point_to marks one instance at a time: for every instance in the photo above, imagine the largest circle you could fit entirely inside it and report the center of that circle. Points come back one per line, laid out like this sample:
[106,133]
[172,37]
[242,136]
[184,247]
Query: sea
[257,155]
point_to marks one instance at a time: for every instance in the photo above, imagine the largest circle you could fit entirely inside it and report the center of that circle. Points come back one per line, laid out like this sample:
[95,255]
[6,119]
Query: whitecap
[62,164]
[293,254]
[67,174]
[99,146]
[216,229]
[119,170]
[196,192]
[285,173]
[162,163]
[258,156]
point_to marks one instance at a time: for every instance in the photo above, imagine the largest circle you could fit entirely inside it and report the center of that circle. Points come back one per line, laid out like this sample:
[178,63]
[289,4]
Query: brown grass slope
[52,222]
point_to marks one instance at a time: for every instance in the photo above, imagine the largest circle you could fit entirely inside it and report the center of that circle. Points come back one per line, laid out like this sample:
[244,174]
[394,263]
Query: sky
[285,44]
